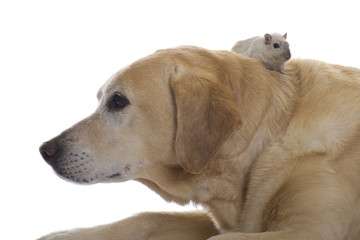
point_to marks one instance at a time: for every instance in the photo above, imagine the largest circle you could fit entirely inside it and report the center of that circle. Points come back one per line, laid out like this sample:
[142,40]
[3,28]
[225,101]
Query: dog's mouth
[115,175]
[120,175]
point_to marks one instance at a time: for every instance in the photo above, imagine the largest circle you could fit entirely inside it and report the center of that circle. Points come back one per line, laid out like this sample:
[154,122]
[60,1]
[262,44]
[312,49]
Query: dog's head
[173,108]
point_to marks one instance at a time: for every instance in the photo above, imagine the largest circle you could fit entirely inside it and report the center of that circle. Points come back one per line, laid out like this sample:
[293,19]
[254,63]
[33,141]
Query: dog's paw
[64,235]
[75,234]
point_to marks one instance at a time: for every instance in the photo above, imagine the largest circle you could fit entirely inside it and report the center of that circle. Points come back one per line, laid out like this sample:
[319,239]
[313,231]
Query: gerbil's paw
[272,69]
[275,69]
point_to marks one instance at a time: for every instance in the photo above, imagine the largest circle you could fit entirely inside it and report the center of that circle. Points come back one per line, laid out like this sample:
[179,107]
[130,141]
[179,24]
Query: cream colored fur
[269,155]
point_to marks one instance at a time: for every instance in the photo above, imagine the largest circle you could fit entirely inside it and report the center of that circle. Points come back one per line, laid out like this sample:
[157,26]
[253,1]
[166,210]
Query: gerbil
[272,50]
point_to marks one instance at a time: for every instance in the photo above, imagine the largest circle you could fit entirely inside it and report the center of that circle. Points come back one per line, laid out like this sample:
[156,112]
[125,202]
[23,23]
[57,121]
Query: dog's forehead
[106,87]
[114,82]
[143,74]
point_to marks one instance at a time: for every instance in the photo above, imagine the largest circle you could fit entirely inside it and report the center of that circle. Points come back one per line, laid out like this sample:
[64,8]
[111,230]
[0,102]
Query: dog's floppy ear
[206,116]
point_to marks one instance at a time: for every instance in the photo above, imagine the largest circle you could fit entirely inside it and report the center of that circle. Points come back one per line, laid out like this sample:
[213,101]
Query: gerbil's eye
[118,101]
[276,45]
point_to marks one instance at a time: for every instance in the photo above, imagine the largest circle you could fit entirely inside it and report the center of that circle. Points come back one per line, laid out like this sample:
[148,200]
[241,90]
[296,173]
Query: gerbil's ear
[268,38]
[285,36]
[206,116]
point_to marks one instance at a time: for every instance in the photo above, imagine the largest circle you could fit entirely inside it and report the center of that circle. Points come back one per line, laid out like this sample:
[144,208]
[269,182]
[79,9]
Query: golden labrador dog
[270,156]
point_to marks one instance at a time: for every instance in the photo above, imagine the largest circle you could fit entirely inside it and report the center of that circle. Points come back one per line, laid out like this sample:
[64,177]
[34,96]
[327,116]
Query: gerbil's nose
[48,150]
[287,55]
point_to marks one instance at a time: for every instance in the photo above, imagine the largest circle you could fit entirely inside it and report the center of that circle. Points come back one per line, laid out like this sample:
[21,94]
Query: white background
[54,55]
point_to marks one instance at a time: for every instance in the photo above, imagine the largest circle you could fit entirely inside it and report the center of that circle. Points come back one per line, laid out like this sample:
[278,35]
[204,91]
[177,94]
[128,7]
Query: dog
[268,155]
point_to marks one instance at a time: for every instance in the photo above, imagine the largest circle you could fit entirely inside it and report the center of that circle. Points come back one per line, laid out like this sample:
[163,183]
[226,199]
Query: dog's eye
[276,45]
[119,101]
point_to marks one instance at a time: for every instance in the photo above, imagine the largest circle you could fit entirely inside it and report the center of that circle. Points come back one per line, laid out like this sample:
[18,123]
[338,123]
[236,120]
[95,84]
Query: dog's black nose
[48,150]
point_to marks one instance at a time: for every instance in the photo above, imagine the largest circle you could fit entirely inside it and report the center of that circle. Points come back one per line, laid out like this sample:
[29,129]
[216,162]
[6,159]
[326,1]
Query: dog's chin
[77,179]
[88,179]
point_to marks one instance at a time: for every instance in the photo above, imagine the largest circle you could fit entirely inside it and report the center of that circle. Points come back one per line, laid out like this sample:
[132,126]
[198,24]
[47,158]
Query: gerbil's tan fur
[269,156]
[272,50]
